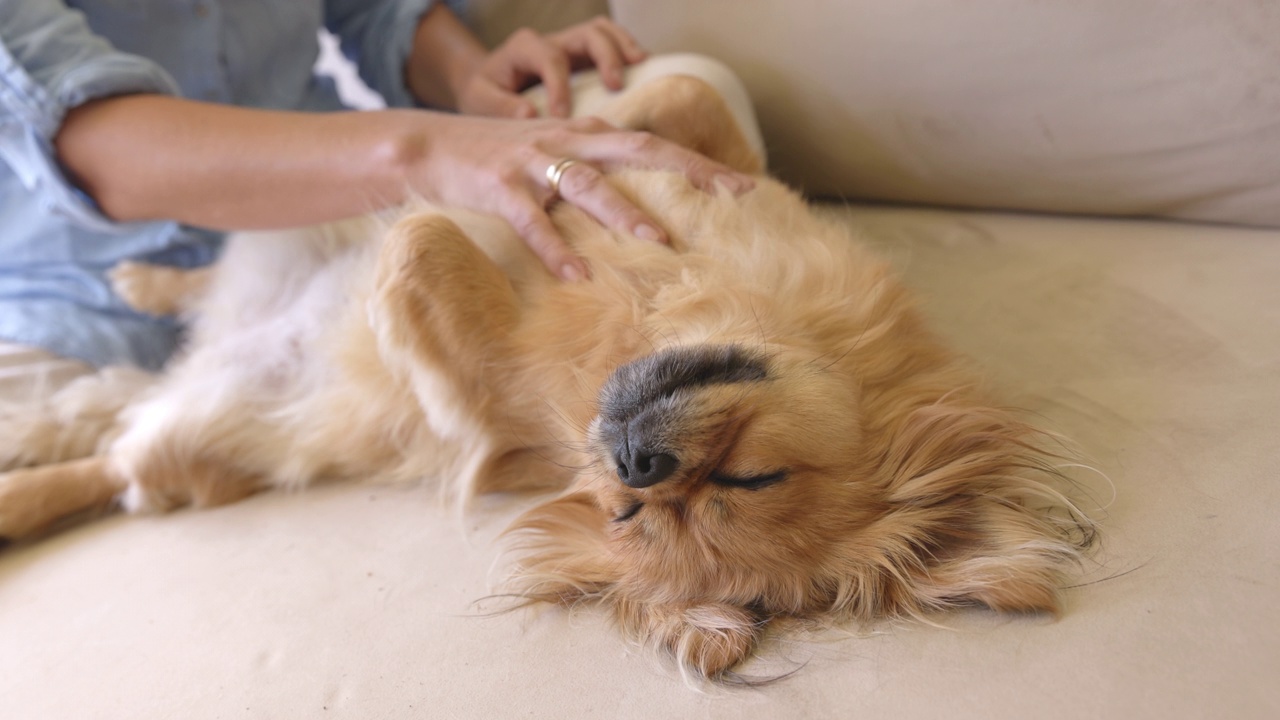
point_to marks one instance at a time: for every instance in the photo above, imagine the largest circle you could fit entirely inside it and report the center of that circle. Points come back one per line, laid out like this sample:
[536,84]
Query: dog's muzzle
[641,405]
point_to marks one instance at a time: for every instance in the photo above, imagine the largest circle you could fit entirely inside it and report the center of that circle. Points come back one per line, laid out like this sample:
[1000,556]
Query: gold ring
[556,171]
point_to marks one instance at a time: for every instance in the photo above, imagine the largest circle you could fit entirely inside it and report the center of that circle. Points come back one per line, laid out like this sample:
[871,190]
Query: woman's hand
[493,87]
[449,68]
[499,166]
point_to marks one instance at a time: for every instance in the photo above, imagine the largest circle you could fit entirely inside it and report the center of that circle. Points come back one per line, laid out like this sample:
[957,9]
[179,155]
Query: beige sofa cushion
[1092,106]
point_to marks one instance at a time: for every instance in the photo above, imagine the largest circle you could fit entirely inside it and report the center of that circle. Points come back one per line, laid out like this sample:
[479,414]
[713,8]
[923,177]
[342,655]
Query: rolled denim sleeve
[377,35]
[51,62]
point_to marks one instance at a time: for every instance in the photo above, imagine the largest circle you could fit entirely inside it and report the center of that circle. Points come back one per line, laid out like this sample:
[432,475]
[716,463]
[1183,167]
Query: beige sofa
[1154,345]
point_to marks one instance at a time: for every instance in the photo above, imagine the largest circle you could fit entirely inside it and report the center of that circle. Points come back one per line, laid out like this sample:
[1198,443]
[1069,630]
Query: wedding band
[556,171]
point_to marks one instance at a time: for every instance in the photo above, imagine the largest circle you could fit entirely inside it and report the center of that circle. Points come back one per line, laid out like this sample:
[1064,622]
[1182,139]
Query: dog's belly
[281,341]
[264,388]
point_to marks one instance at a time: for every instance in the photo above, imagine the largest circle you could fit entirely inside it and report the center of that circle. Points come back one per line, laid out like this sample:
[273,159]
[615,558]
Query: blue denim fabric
[55,245]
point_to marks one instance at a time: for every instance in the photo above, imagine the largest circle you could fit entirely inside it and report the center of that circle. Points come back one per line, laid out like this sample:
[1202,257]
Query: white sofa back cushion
[1122,107]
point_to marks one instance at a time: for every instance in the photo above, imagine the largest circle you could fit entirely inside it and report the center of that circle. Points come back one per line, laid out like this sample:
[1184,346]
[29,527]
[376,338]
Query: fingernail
[649,232]
[736,184]
[570,272]
[562,109]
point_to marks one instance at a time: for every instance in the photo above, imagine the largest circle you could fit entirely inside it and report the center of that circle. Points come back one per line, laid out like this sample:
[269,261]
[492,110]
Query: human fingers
[485,97]
[538,56]
[629,149]
[631,50]
[531,223]
[590,45]
[607,57]
[585,187]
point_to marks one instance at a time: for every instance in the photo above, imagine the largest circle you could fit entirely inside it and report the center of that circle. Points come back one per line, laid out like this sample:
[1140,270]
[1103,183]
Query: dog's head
[724,471]
[731,484]
[776,435]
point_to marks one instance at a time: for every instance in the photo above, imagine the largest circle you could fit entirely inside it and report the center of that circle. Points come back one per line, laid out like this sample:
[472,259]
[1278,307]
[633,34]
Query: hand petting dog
[271,169]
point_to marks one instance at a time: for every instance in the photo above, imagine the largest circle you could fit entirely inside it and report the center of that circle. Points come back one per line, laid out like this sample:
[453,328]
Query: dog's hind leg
[74,421]
[34,499]
[688,111]
[161,481]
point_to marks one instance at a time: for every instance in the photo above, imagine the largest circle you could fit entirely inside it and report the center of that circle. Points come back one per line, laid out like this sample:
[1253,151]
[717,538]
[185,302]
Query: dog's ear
[970,516]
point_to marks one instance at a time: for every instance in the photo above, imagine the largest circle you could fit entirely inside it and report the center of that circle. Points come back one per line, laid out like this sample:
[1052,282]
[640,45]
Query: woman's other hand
[528,58]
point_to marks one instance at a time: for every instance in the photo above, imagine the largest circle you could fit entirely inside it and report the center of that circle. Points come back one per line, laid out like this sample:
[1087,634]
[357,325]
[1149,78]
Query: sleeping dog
[751,425]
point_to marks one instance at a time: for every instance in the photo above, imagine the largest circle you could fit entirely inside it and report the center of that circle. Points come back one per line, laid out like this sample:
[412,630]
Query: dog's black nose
[644,404]
[641,468]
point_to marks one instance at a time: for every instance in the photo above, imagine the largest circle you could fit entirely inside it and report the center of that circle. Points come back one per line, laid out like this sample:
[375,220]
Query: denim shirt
[55,245]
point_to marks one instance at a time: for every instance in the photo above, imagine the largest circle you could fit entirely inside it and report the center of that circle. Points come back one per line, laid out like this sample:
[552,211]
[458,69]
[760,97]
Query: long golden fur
[753,425]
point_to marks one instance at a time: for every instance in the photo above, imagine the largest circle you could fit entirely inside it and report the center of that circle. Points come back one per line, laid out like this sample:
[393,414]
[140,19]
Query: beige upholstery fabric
[1164,107]
[1152,345]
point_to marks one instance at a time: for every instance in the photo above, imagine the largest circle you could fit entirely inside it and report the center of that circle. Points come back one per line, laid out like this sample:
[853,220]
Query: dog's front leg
[443,313]
[687,111]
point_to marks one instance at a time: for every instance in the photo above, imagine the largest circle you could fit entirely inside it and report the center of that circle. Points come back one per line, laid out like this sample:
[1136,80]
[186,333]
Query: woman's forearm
[148,157]
[444,58]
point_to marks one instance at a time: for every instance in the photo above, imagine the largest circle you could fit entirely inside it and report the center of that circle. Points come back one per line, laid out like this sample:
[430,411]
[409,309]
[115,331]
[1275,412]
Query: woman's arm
[150,157]
[146,157]
[444,58]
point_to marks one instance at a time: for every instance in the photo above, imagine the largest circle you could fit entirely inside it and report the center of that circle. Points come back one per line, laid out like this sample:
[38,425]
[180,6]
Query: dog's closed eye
[630,512]
[748,482]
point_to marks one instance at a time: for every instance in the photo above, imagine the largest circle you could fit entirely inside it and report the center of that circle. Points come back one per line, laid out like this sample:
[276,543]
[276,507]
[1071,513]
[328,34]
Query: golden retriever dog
[751,426]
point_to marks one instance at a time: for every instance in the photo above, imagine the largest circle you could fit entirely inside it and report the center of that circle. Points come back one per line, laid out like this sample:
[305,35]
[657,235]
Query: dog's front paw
[706,640]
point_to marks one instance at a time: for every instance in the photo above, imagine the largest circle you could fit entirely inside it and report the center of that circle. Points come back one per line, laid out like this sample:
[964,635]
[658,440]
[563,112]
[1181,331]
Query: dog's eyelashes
[748,482]
[630,512]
